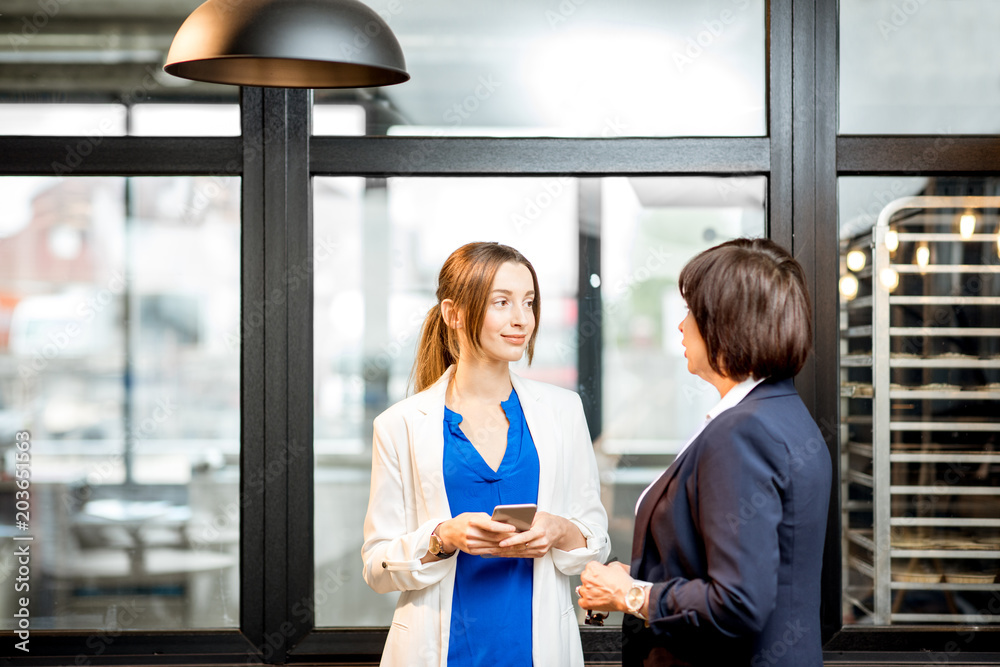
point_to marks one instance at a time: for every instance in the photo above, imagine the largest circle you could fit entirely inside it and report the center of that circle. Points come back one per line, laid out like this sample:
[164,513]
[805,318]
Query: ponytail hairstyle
[467,279]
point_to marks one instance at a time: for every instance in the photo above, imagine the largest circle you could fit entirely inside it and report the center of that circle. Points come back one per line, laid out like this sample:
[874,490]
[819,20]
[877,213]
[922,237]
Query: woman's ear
[450,314]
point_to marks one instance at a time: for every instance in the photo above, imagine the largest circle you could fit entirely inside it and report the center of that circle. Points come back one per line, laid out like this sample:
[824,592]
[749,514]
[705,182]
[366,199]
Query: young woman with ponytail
[474,591]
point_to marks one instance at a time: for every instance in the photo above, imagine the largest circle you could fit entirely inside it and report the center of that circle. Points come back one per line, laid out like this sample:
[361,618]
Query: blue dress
[491,606]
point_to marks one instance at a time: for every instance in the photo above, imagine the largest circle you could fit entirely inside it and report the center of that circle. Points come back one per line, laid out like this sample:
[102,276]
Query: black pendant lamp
[287,44]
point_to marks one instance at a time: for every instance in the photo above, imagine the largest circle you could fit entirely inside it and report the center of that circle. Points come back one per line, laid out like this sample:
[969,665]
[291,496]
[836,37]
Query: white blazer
[408,500]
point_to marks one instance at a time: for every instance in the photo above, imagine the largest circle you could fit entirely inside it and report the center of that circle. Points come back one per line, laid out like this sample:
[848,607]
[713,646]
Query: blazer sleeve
[583,498]
[738,510]
[391,552]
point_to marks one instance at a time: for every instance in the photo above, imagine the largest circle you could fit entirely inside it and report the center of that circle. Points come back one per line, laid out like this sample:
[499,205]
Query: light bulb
[923,255]
[967,225]
[891,240]
[849,286]
[889,278]
[855,260]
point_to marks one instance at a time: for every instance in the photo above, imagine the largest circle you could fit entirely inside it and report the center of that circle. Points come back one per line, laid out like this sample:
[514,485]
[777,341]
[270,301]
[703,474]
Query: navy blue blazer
[732,537]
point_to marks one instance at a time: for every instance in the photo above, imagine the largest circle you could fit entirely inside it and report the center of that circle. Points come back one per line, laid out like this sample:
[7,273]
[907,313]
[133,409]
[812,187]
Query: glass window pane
[89,120]
[380,245]
[919,67]
[119,300]
[185,120]
[650,228]
[920,385]
[591,69]
[338,119]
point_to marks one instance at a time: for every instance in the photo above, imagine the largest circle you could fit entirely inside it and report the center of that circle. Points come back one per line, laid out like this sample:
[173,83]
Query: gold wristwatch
[636,597]
[437,546]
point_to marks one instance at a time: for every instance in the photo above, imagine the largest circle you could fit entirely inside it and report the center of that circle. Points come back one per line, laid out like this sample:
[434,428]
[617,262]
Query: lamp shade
[287,44]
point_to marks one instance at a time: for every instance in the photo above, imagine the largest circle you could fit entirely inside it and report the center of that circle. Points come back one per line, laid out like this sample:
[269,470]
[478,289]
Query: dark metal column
[276,333]
[826,301]
[589,322]
[813,225]
[779,108]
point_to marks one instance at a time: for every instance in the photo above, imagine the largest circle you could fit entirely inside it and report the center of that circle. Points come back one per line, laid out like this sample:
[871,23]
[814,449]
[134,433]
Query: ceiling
[575,67]
[570,67]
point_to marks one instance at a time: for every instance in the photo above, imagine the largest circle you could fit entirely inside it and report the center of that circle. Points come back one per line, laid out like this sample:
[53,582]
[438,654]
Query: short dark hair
[750,302]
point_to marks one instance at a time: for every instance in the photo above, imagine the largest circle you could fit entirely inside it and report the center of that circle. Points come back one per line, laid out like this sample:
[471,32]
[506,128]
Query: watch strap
[437,545]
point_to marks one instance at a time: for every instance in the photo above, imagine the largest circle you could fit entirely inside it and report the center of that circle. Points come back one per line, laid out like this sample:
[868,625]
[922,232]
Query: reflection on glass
[384,242]
[920,382]
[592,69]
[114,317]
[918,68]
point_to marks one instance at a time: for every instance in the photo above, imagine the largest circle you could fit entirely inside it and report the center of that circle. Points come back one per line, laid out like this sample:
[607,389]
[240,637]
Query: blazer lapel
[428,446]
[542,425]
[650,500]
[766,389]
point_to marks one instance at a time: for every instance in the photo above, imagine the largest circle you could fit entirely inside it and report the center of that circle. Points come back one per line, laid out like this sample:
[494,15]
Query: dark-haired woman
[728,541]
[474,592]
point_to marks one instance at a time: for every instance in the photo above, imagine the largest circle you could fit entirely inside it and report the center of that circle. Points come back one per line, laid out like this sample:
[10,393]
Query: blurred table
[136,518]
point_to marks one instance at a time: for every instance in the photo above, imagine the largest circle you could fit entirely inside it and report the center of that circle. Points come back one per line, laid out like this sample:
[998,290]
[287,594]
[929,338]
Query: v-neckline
[472,455]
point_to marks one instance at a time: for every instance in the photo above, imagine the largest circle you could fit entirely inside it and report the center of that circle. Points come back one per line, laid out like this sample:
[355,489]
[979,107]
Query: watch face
[636,596]
[435,544]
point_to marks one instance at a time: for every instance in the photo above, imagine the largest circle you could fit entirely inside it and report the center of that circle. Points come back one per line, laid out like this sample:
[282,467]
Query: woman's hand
[603,587]
[547,531]
[474,533]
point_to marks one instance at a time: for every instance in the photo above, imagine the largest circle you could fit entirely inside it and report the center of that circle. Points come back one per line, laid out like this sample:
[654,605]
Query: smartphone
[519,516]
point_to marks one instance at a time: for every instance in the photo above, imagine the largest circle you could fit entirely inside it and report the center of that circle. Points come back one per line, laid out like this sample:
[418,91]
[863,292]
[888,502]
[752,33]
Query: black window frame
[802,156]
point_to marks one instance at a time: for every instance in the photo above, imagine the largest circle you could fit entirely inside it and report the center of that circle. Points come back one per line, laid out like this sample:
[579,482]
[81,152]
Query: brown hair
[750,302]
[467,279]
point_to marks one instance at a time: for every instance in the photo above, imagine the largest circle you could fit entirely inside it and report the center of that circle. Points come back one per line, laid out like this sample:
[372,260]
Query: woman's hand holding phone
[478,534]
[474,533]
[547,531]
